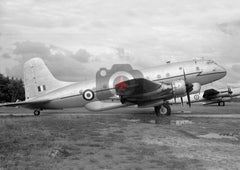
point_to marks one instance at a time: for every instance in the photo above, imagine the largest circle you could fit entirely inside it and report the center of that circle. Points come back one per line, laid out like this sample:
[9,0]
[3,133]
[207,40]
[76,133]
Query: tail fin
[38,79]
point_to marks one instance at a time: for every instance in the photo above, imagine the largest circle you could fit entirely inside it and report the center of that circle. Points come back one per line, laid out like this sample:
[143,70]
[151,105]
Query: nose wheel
[36,112]
[164,110]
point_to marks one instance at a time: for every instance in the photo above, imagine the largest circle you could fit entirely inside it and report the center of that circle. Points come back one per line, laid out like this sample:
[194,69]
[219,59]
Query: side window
[44,87]
[210,62]
[197,68]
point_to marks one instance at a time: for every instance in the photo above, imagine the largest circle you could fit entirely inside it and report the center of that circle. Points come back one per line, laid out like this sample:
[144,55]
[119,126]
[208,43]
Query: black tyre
[165,110]
[157,110]
[36,112]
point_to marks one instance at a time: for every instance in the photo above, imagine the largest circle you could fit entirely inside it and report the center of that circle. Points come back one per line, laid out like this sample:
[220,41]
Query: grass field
[126,138]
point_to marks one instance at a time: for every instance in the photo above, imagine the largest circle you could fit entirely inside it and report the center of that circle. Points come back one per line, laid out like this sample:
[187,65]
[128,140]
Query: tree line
[11,89]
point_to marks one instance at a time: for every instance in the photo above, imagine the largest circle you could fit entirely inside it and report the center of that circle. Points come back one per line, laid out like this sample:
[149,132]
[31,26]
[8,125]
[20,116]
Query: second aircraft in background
[212,96]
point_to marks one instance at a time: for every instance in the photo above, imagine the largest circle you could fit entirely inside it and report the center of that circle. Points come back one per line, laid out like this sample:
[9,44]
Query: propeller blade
[189,88]
[189,100]
[182,101]
[184,75]
[229,90]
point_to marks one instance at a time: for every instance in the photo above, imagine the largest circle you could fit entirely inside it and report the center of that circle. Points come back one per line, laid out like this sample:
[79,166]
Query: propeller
[181,101]
[229,90]
[189,88]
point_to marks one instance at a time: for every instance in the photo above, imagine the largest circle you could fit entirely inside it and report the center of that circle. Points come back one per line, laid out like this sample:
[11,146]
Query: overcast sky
[76,38]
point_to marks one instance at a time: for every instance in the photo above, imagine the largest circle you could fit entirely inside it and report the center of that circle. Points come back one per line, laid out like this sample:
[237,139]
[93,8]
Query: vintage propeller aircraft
[213,96]
[152,87]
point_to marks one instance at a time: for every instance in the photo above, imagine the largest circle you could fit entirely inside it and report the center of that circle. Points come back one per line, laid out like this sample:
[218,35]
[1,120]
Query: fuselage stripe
[197,74]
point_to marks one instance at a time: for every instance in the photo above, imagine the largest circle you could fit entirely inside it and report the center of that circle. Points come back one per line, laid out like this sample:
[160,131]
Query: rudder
[38,79]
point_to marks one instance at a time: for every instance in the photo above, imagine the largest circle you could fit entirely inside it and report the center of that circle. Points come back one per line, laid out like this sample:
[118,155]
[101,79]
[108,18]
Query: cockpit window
[210,62]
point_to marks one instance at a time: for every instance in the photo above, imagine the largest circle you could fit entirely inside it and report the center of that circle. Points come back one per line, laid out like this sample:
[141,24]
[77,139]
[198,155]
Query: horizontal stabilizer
[24,103]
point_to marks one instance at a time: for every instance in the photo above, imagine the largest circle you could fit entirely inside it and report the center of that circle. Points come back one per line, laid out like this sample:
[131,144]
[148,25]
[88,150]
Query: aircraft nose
[222,70]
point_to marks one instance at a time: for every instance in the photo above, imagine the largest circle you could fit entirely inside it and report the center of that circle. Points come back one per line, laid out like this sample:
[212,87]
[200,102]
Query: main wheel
[221,103]
[36,112]
[164,110]
[122,100]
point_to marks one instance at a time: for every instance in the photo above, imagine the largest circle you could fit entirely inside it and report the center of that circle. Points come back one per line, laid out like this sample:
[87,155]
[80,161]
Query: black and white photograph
[119,85]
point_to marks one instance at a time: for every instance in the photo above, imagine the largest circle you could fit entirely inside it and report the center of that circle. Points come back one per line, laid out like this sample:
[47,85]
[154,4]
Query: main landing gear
[164,110]
[36,112]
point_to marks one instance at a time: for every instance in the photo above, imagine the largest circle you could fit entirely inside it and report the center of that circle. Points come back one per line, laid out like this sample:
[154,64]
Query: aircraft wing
[211,102]
[143,92]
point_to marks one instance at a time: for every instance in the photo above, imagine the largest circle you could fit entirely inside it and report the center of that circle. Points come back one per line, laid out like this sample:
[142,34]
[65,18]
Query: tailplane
[38,80]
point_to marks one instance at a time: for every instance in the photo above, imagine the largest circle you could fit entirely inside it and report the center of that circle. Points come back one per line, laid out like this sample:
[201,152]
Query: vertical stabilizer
[38,79]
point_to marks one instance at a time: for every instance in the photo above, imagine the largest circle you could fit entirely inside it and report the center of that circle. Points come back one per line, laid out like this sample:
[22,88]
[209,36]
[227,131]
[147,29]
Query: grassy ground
[120,139]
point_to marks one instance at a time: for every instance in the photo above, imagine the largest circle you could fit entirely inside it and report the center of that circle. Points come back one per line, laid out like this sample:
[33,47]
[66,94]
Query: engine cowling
[179,88]
[196,88]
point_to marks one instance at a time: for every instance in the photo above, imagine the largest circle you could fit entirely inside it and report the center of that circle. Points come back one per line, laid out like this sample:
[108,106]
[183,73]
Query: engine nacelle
[226,99]
[196,88]
[179,88]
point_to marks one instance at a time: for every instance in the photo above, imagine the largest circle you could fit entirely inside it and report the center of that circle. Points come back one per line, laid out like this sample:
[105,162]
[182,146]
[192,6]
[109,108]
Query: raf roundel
[196,97]
[88,95]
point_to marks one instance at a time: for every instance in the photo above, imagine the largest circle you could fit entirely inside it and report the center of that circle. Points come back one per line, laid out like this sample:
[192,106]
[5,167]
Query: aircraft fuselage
[197,71]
